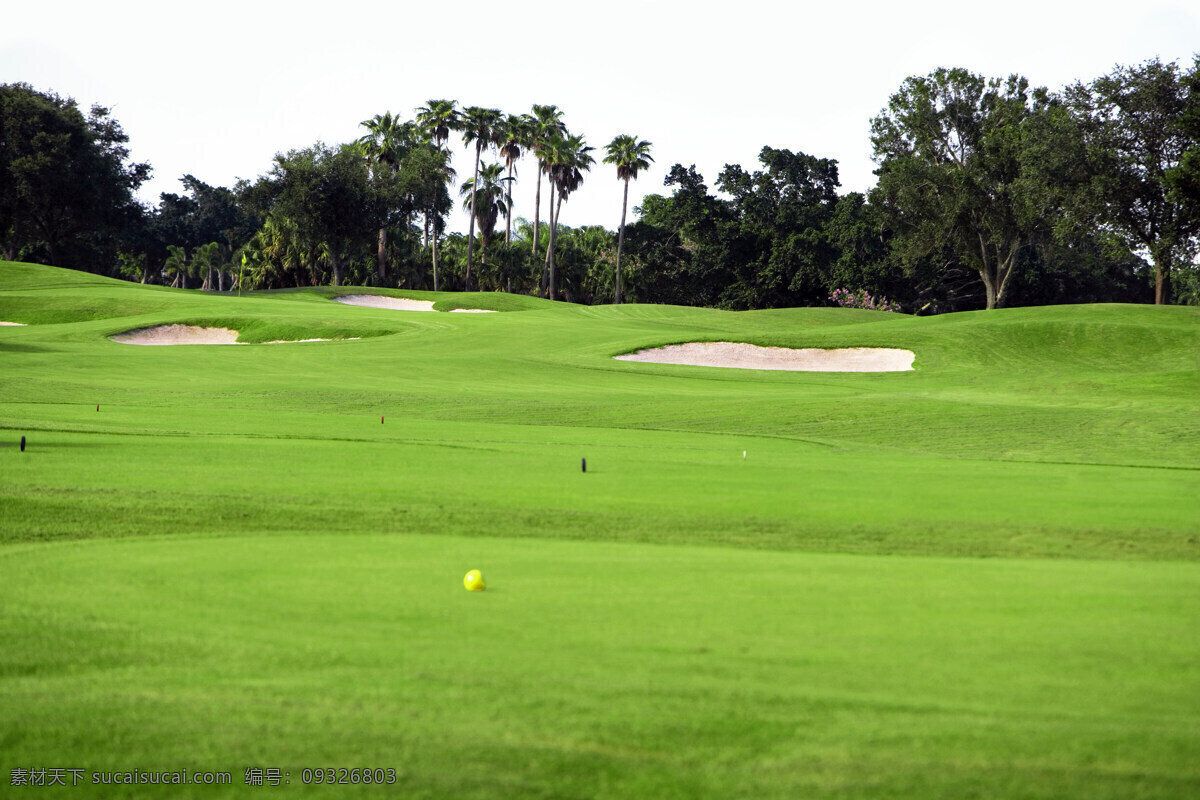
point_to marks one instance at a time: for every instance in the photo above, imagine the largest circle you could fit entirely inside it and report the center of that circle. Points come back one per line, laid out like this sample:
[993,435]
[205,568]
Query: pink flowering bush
[860,299]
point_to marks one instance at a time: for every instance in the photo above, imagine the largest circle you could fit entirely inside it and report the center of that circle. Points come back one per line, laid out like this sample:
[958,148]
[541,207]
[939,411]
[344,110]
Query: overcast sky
[216,89]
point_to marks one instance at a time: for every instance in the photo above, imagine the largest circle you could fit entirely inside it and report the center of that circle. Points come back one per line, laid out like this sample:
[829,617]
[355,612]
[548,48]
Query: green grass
[979,578]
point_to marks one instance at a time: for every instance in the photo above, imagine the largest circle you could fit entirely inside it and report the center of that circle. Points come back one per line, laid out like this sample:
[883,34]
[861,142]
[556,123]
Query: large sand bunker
[193,334]
[177,334]
[14,324]
[399,303]
[748,356]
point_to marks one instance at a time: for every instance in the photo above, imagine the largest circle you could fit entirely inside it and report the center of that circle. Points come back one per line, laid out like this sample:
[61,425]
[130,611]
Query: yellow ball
[473,580]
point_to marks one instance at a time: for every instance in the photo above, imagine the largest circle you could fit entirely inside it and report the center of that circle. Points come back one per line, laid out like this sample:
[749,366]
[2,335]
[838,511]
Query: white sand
[378,301]
[748,356]
[298,341]
[177,334]
[400,303]
[14,324]
[191,334]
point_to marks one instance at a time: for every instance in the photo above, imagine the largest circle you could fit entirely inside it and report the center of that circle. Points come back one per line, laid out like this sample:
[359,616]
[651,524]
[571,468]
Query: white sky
[216,89]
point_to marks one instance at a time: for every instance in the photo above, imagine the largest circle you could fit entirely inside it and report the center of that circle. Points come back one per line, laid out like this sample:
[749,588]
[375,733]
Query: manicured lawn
[979,578]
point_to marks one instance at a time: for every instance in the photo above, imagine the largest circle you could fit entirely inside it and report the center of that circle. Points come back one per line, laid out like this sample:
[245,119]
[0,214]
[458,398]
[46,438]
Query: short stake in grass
[22,444]
[584,461]
[473,581]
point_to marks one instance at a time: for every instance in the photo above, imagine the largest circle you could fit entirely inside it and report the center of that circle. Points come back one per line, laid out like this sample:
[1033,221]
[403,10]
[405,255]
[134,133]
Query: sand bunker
[300,341]
[177,334]
[749,356]
[192,334]
[378,301]
[399,303]
[14,324]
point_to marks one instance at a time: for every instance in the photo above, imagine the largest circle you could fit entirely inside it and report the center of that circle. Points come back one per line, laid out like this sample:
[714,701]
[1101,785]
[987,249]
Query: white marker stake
[743,455]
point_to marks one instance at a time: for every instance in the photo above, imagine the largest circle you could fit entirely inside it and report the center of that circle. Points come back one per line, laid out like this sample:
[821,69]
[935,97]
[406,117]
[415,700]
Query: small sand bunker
[300,341]
[378,301]
[13,324]
[748,356]
[399,303]
[177,334]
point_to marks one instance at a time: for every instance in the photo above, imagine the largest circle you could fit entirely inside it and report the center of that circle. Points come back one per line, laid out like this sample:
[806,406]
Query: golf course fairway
[978,578]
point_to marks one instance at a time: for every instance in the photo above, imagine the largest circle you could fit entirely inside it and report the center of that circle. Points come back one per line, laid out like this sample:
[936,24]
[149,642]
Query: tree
[544,124]
[957,159]
[438,118]
[630,157]
[515,132]
[487,198]
[777,243]
[68,182]
[1142,138]
[385,146]
[425,175]
[324,194]
[483,126]
[202,214]
[207,260]
[177,266]
[567,158]
[679,240]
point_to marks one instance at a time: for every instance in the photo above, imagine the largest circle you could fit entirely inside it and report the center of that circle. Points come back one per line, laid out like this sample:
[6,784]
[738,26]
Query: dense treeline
[990,192]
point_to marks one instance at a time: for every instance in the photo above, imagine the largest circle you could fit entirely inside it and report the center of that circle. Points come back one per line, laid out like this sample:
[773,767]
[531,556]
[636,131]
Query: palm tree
[487,199]
[206,259]
[515,132]
[438,118]
[569,159]
[483,127]
[544,124]
[177,266]
[385,140]
[630,157]
[384,145]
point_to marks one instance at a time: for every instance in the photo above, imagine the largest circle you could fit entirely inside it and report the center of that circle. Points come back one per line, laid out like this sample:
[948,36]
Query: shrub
[860,299]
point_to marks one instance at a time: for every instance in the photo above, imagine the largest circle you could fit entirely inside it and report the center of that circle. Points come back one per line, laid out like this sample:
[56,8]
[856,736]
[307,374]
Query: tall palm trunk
[621,239]
[435,269]
[537,210]
[555,211]
[508,197]
[471,234]
[382,255]
[549,248]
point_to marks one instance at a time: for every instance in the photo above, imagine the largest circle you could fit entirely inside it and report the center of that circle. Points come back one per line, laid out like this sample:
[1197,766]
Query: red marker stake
[381,420]
[97,406]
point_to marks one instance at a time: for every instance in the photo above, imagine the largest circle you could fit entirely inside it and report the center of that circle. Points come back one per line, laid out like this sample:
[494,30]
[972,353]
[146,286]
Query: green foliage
[963,165]
[630,157]
[323,207]
[67,182]
[488,201]
[990,193]
[1142,133]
